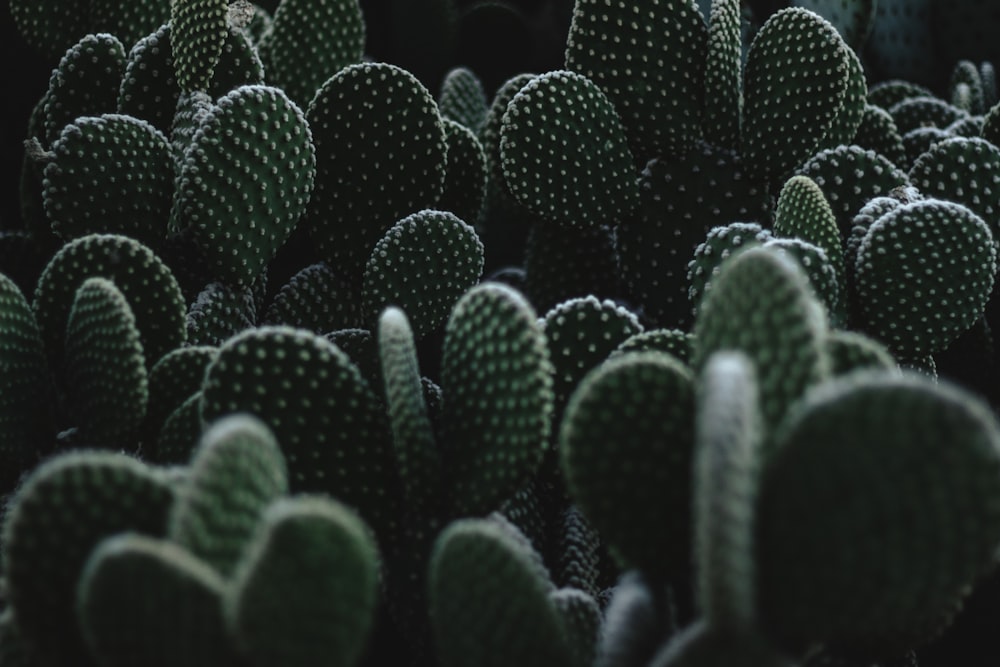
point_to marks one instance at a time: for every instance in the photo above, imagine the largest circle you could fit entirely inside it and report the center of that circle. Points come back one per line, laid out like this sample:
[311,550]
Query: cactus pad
[198,33]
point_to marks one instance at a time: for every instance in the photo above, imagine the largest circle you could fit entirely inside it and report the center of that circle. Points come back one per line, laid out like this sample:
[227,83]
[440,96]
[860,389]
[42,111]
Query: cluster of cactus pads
[679,355]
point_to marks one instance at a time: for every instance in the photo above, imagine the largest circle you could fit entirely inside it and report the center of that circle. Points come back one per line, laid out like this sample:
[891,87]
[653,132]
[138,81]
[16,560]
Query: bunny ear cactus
[414,442]
[818,267]
[27,401]
[361,348]
[636,493]
[423,265]
[381,154]
[878,510]
[110,174]
[85,83]
[850,351]
[177,375]
[914,293]
[845,125]
[786,118]
[927,111]
[675,342]
[309,42]
[198,32]
[240,221]
[878,132]
[463,100]
[853,19]
[720,244]
[804,213]
[635,624]
[723,75]
[336,442]
[966,74]
[497,398]
[218,313]
[177,437]
[564,152]
[144,280]
[650,61]
[61,511]
[306,589]
[887,92]
[762,305]
[317,298]
[106,380]
[465,180]
[235,473]
[489,601]
[138,594]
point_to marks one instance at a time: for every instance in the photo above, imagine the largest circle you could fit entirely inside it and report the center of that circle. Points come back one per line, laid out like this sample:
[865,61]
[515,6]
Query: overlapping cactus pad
[479,333]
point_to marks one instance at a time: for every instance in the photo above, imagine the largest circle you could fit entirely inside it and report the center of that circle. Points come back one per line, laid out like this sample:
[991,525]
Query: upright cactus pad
[462,99]
[172,379]
[636,494]
[147,284]
[198,33]
[306,589]
[317,298]
[564,152]
[52,26]
[58,515]
[785,117]
[239,222]
[850,351]
[803,213]
[142,600]
[878,510]
[650,62]
[762,305]
[497,385]
[309,42]
[218,313]
[106,381]
[422,265]
[723,75]
[381,154]
[720,244]
[878,132]
[924,273]
[110,174]
[466,176]
[489,603]
[236,472]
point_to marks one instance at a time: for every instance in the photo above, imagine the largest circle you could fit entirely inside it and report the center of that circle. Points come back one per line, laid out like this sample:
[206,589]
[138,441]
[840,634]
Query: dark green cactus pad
[635,623]
[971,127]
[150,90]
[818,268]
[489,135]
[726,468]
[723,76]
[581,333]
[804,213]
[336,442]
[239,222]
[675,342]
[128,21]
[580,618]
[853,19]
[413,438]
[192,110]
[51,26]
[179,434]
[849,176]
[966,74]
[915,112]
[654,78]
[85,83]
[306,587]
[361,348]
[565,154]
[887,93]
[878,132]
[462,99]
[255,27]
[565,262]
[27,402]
[422,265]
[489,603]
[878,510]
[465,179]
[218,313]
[680,201]
[862,222]
[316,298]
[845,125]
[637,494]
[919,141]
[988,77]
[235,473]
[578,553]
[497,387]
[309,42]
[965,171]
[381,154]
[924,273]
[901,44]
[177,375]
[146,601]
[852,351]
[107,385]
[762,305]
[110,174]
[991,125]
[784,117]
[147,284]
[64,508]
[198,32]
[720,244]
